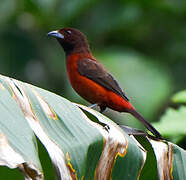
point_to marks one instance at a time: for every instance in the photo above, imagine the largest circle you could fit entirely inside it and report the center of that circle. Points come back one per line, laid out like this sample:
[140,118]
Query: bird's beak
[56,34]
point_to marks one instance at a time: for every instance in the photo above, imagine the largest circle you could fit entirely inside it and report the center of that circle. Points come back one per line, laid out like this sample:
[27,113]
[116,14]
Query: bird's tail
[146,123]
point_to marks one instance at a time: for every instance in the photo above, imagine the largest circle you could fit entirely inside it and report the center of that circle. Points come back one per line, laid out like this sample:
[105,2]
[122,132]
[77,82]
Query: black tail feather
[146,123]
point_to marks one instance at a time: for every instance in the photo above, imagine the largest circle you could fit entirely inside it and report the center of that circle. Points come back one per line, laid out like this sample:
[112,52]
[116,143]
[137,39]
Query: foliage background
[141,42]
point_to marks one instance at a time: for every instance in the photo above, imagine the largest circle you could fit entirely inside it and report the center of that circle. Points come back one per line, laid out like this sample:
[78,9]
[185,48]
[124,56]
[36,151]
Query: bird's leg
[93,105]
[102,109]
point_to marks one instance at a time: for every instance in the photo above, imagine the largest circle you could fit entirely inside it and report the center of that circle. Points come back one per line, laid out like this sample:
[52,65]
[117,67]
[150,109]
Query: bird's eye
[68,32]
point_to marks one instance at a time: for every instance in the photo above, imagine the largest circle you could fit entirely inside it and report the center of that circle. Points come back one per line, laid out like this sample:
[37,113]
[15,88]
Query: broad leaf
[81,142]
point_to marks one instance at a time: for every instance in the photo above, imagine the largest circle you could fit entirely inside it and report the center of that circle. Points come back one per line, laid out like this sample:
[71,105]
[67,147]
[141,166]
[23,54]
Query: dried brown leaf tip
[29,171]
[115,145]
[71,169]
[170,162]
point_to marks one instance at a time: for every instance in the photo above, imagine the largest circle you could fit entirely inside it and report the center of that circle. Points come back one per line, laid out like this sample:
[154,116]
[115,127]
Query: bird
[90,79]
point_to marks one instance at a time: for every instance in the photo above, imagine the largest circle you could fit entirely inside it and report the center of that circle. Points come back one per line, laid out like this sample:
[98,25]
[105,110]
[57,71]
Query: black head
[72,40]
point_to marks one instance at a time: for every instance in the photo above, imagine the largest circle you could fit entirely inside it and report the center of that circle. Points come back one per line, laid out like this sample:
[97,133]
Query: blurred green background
[141,42]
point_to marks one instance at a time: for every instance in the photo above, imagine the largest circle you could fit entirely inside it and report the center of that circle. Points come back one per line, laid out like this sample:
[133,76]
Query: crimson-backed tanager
[90,79]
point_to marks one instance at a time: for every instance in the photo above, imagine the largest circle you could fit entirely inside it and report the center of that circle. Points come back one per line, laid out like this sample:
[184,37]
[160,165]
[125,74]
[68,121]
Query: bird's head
[72,40]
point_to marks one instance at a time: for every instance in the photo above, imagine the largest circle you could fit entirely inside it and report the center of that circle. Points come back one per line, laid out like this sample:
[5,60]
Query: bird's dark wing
[96,72]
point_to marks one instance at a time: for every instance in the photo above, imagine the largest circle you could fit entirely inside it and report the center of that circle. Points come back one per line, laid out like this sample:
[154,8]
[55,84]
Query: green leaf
[179,97]
[173,122]
[81,142]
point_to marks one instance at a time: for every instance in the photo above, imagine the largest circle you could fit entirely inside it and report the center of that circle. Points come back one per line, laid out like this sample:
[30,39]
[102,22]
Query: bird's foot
[102,109]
